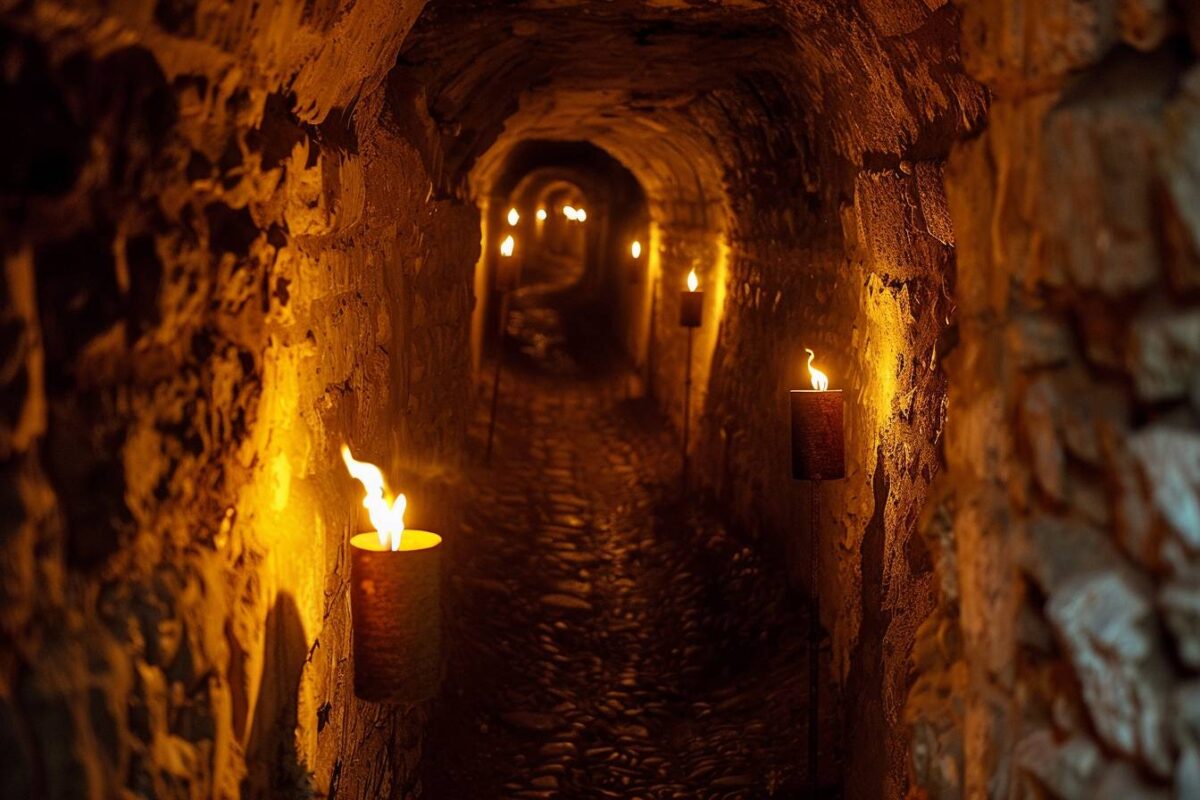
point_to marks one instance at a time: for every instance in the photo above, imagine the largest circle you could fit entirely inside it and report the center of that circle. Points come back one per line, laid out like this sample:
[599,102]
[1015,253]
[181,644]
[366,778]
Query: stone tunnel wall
[219,264]
[1063,659]
[840,241]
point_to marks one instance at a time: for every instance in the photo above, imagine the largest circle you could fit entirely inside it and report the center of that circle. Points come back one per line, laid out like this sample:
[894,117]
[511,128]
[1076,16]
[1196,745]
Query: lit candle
[818,448]
[691,303]
[514,216]
[395,607]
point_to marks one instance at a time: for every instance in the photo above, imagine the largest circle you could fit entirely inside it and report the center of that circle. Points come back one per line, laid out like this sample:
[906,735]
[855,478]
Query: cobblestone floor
[604,640]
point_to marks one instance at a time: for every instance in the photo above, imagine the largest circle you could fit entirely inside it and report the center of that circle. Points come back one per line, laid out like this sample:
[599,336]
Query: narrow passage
[605,640]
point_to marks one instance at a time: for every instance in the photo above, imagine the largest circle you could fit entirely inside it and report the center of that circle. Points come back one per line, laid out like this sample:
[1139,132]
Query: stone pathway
[603,640]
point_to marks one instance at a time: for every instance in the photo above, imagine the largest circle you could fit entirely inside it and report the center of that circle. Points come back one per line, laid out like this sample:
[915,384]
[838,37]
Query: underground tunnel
[642,399]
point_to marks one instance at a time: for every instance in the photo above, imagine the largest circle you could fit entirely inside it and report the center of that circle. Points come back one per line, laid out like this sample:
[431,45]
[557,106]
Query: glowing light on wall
[514,216]
[580,215]
[635,249]
[541,215]
[570,213]
[508,246]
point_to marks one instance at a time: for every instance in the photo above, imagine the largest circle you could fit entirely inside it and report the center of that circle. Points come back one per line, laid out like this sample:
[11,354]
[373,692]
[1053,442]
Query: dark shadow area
[274,767]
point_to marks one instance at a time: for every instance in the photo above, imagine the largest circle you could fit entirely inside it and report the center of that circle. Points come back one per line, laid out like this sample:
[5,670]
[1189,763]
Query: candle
[395,608]
[818,449]
[691,303]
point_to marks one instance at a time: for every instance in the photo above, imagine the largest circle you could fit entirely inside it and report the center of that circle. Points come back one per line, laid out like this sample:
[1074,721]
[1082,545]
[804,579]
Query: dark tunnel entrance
[559,225]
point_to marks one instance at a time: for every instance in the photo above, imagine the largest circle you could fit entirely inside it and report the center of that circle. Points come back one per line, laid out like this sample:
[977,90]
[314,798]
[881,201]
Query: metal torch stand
[814,646]
[687,407]
[496,376]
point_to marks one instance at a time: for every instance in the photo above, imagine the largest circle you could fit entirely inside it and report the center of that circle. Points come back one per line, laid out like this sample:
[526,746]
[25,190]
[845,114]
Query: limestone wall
[1062,659]
[220,262]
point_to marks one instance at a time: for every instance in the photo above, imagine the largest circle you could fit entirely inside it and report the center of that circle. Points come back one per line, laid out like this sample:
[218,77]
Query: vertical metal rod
[496,376]
[814,648]
[687,406]
[652,340]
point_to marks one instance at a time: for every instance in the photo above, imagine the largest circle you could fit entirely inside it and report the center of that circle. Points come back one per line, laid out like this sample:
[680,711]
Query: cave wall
[222,259]
[840,241]
[1063,658]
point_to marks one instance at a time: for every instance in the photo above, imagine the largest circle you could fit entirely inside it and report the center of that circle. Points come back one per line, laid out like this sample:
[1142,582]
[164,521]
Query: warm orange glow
[570,213]
[635,249]
[820,381]
[514,216]
[693,281]
[541,215]
[580,215]
[508,246]
[387,518]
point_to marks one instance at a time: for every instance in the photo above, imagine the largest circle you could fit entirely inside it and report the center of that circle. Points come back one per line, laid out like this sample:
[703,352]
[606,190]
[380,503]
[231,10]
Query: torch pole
[687,406]
[814,646]
[496,376]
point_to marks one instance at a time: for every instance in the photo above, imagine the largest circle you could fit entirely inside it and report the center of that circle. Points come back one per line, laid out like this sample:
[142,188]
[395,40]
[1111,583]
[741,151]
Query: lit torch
[395,610]
[691,303]
[818,447]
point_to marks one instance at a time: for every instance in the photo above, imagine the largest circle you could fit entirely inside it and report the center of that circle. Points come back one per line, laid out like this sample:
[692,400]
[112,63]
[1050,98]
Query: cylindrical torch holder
[691,309]
[818,443]
[396,620]
[508,274]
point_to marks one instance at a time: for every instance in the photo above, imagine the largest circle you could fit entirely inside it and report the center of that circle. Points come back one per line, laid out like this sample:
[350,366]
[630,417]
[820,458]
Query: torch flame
[514,216]
[693,281]
[388,519]
[507,246]
[635,249]
[820,381]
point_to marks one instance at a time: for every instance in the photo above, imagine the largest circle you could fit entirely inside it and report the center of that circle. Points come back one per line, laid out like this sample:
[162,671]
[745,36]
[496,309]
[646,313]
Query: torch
[507,277]
[818,453]
[691,313]
[395,608]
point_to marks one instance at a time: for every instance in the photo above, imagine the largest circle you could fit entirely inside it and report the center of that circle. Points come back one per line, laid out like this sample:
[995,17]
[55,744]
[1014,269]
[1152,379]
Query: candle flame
[580,215]
[635,249]
[388,518]
[507,246]
[541,215]
[692,281]
[570,213]
[820,381]
[514,216]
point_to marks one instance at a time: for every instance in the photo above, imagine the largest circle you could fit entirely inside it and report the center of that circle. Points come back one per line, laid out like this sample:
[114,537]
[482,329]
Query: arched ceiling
[692,98]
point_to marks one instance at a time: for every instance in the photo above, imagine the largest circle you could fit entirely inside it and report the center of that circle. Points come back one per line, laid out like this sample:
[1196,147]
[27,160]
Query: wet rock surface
[607,640]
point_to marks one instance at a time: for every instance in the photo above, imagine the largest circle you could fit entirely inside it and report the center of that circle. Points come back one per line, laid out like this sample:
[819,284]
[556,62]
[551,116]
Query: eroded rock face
[1063,243]
[204,257]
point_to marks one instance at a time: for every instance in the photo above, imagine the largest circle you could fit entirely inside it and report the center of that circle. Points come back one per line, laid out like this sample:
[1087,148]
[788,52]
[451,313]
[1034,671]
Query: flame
[570,213]
[514,216]
[635,249]
[820,381]
[580,215]
[507,246]
[541,215]
[388,519]
[693,281]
